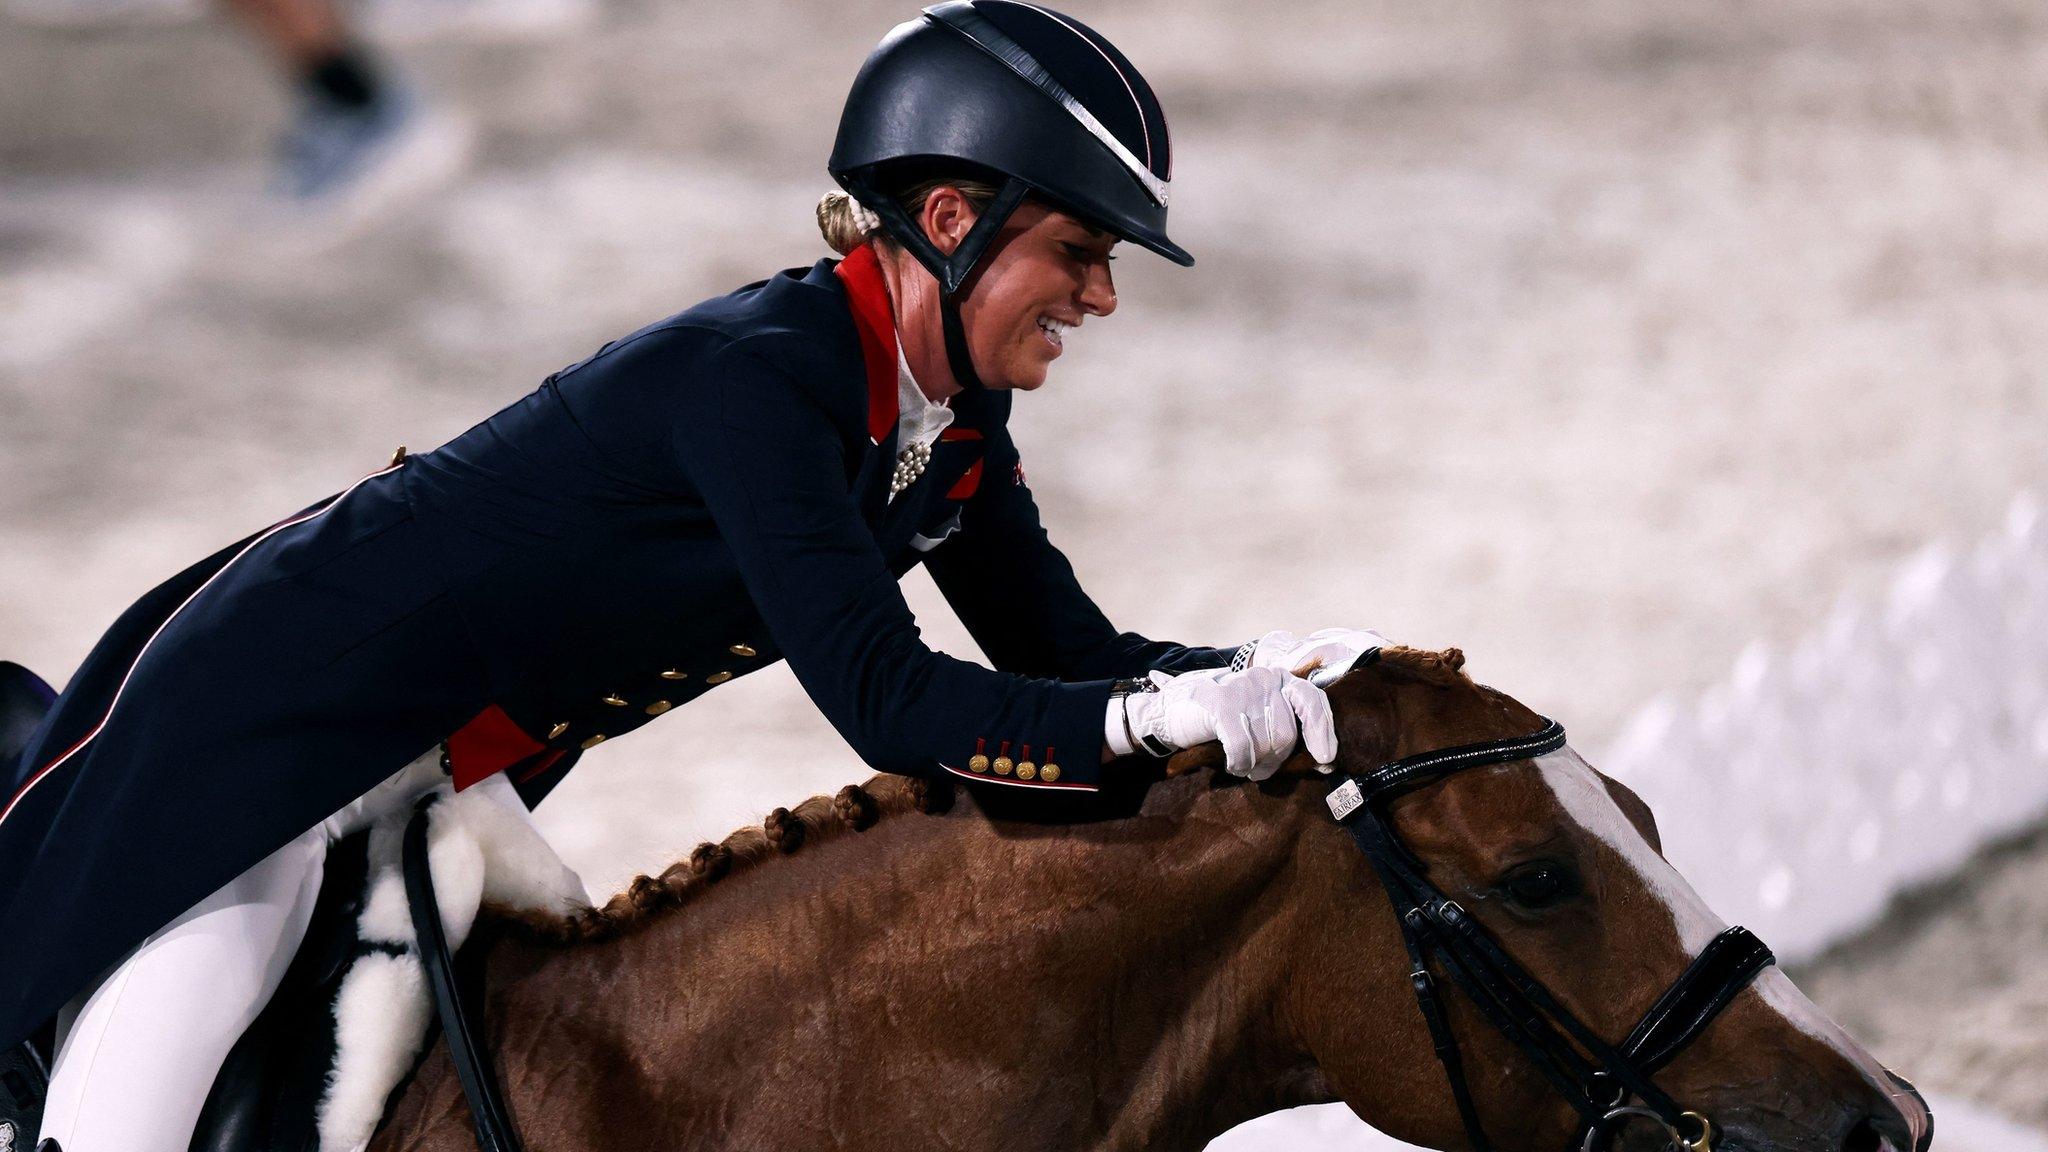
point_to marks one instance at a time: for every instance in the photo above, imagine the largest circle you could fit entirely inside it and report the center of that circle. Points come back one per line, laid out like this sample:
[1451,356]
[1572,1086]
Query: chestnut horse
[855,976]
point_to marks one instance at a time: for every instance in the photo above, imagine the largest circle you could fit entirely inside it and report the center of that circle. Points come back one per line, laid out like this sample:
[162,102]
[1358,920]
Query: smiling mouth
[1054,331]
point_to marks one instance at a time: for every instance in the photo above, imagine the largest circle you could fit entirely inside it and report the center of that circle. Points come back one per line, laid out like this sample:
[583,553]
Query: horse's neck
[1197,924]
[1122,979]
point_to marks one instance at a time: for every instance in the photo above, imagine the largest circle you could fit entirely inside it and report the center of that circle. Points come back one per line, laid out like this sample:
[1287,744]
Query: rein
[1599,1080]
[460,1019]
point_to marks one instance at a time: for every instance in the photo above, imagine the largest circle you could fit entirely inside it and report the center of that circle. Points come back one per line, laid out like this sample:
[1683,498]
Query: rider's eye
[1544,884]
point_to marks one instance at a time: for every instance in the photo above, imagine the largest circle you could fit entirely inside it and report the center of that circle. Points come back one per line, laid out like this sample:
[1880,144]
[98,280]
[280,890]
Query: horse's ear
[1210,756]
[1365,720]
[1301,764]
[1195,759]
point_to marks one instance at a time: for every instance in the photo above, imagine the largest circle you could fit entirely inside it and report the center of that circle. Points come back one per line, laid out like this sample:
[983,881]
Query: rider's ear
[946,217]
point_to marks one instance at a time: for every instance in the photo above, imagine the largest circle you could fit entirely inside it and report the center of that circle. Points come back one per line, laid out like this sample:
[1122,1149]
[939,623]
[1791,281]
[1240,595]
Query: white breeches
[137,1055]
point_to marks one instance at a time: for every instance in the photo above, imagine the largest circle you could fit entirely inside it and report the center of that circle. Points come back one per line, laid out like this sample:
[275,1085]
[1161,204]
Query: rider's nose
[1098,294]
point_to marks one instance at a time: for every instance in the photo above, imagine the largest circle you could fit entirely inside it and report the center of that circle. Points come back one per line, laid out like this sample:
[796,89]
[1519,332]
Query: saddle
[275,1080]
[24,700]
[268,1091]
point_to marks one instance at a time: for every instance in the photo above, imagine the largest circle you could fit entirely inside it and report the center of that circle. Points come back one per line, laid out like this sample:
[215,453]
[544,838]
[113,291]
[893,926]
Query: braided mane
[854,808]
[1420,665]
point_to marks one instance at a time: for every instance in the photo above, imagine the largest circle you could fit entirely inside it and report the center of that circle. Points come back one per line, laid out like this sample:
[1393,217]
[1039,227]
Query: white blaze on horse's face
[1582,796]
[1580,793]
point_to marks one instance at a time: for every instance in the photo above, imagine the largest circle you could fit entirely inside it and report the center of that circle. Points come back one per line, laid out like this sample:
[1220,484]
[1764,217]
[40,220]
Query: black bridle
[1606,1084]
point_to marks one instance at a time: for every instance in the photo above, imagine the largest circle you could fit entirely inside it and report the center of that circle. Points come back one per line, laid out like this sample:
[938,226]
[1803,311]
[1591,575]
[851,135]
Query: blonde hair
[846,223]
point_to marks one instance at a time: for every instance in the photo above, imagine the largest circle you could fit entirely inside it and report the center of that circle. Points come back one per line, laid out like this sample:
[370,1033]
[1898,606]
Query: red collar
[868,294]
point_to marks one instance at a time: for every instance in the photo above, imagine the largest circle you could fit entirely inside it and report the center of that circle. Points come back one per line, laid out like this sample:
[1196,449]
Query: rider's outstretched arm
[771,468]
[1018,595]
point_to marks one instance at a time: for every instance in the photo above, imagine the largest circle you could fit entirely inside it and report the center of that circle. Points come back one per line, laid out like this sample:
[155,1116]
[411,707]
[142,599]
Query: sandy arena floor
[1597,338]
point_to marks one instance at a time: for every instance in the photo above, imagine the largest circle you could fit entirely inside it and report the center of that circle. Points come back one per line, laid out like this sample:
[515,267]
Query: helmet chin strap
[958,357]
[952,272]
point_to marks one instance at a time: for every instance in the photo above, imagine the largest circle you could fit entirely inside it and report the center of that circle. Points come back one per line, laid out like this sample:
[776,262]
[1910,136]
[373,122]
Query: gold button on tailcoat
[658,707]
[1049,773]
[977,763]
[672,674]
[555,733]
[1003,765]
[740,650]
[1027,771]
[594,741]
[615,700]
[718,678]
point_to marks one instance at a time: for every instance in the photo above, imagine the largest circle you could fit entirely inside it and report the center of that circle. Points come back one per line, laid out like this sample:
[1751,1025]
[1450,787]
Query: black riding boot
[24,1081]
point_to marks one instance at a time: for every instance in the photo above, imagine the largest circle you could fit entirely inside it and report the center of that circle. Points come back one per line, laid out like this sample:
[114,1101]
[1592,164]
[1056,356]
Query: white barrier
[1807,789]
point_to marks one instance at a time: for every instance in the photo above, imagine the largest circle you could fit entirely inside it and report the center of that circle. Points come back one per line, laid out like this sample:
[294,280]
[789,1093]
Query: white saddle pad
[480,850]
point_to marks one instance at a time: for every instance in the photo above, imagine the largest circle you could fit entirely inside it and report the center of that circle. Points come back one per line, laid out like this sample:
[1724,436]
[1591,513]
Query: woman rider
[743,481]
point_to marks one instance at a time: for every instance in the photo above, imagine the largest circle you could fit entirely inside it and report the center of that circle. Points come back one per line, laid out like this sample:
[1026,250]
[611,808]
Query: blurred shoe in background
[329,143]
[363,157]
[357,131]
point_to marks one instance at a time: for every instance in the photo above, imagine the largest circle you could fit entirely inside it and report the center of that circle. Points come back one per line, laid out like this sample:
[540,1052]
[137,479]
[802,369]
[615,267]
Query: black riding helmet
[1036,99]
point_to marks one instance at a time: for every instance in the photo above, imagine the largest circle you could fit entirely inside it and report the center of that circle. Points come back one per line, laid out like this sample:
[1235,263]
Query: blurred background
[1681,363]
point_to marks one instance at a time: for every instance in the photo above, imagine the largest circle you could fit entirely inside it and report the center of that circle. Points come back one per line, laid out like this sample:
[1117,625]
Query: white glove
[1323,655]
[1258,714]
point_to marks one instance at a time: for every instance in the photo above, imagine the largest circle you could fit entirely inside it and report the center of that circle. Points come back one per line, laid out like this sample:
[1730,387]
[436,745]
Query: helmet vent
[1144,132]
[983,34]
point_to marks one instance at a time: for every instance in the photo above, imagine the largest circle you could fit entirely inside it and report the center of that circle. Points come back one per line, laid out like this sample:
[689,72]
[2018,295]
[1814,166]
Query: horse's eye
[1540,885]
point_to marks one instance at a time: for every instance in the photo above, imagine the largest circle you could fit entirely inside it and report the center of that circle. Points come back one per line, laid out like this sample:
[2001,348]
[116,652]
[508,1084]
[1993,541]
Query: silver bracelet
[1122,691]
[1130,737]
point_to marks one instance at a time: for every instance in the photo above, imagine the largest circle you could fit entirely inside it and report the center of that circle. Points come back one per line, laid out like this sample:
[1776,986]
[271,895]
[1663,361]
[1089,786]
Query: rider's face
[1044,275]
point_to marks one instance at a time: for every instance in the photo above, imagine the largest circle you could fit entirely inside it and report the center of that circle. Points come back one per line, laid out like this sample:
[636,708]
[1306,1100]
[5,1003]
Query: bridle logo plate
[1345,799]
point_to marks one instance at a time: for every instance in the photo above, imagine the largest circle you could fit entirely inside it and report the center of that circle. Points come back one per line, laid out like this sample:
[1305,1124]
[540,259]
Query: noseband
[1606,1084]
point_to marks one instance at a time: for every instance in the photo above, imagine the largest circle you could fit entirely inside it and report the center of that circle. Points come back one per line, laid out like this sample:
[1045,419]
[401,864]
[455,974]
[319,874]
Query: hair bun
[845,223]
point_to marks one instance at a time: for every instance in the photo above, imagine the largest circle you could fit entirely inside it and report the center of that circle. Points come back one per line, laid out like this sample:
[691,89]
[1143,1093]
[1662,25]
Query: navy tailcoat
[695,501]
